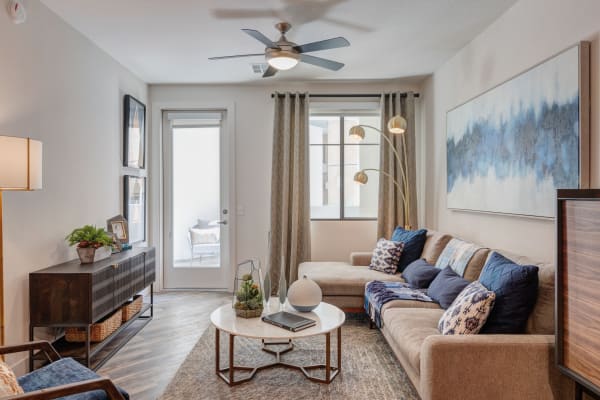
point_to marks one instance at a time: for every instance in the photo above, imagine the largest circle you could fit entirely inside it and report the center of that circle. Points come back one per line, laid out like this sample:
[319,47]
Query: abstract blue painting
[509,149]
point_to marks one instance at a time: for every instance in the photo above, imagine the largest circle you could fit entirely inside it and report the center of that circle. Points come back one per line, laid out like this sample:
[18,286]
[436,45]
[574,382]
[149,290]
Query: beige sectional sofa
[463,366]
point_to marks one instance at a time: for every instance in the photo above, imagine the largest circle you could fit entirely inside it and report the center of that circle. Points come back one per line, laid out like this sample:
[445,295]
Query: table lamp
[20,169]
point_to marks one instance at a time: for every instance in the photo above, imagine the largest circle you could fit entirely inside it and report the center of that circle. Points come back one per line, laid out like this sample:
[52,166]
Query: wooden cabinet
[76,295]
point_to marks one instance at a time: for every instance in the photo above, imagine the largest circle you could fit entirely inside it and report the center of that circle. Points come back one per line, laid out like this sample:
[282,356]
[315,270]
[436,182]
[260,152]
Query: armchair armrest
[470,367]
[361,258]
[42,345]
[105,384]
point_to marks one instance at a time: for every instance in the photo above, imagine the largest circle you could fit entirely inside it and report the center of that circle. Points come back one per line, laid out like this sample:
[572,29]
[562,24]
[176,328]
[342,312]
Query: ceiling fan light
[282,60]
[283,63]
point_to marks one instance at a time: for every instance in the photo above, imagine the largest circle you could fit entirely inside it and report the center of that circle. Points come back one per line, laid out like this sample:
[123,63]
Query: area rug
[369,370]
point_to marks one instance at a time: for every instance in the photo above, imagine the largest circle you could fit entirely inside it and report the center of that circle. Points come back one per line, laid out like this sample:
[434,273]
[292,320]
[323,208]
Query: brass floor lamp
[20,169]
[396,125]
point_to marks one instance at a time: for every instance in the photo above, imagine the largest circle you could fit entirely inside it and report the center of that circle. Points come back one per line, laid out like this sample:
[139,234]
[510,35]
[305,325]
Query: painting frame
[134,133]
[522,205]
[134,207]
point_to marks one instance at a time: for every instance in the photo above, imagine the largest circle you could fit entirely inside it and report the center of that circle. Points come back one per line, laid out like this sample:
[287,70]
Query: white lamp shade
[283,63]
[20,163]
[397,124]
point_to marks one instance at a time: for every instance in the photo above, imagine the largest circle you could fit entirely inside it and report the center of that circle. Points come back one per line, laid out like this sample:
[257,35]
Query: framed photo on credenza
[134,207]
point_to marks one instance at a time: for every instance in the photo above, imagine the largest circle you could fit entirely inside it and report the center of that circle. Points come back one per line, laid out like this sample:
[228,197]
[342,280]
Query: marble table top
[328,318]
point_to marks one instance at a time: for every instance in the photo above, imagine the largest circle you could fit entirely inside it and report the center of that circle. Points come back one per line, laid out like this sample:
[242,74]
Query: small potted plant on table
[93,243]
[249,298]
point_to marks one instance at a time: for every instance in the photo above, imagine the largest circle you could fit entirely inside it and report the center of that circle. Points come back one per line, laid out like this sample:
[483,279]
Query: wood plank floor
[145,366]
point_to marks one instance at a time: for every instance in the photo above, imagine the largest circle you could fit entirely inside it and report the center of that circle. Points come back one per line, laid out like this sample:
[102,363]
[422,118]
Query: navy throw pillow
[420,273]
[413,245]
[446,286]
[516,288]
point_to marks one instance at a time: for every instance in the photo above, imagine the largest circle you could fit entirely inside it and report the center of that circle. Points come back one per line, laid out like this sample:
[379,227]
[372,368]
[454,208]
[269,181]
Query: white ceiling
[169,41]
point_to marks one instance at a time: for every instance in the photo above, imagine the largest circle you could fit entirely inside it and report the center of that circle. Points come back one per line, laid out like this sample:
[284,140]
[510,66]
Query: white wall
[56,86]
[253,139]
[528,33]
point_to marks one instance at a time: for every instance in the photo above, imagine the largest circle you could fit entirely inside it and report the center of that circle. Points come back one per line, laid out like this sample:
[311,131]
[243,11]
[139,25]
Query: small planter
[248,313]
[88,255]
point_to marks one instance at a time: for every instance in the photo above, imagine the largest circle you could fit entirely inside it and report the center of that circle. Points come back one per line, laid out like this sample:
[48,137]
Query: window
[334,159]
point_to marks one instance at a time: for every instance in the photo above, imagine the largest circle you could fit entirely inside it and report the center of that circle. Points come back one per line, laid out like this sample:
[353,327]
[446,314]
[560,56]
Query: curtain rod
[345,95]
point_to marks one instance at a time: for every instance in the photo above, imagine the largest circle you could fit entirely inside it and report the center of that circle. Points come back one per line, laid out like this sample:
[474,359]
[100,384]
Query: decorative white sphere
[304,294]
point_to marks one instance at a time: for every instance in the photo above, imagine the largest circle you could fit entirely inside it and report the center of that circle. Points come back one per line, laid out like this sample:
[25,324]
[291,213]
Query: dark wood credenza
[75,295]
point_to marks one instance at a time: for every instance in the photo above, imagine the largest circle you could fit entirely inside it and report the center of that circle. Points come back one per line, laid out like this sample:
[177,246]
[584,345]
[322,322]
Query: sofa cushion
[386,256]
[516,293]
[420,273]
[435,242]
[8,381]
[343,279]
[409,304]
[409,327]
[62,372]
[413,245]
[541,319]
[468,312]
[446,287]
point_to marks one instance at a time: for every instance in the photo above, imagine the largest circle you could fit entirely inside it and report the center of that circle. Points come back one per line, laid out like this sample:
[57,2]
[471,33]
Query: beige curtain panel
[391,211]
[290,200]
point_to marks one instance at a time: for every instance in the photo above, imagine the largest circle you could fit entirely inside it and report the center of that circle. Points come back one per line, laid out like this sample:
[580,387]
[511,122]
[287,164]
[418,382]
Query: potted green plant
[249,298]
[93,243]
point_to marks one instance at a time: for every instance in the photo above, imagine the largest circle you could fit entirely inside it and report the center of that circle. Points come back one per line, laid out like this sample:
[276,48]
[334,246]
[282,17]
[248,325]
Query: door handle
[222,222]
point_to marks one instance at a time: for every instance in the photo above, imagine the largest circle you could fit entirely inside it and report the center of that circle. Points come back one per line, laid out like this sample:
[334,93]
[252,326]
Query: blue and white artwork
[509,149]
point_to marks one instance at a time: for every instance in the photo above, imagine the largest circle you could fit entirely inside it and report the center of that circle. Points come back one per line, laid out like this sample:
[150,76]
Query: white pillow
[8,382]
[468,312]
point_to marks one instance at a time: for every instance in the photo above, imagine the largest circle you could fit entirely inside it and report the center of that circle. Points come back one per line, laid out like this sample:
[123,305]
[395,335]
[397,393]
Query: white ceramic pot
[304,294]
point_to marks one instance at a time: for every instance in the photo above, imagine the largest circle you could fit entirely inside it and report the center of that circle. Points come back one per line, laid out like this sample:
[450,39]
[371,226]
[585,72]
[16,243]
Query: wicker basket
[248,313]
[132,307]
[98,331]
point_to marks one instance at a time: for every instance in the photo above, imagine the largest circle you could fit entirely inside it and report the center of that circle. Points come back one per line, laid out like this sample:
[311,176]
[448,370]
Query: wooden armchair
[46,348]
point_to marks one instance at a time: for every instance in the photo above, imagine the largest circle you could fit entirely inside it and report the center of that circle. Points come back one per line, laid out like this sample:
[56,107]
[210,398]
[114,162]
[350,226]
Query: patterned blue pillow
[516,289]
[386,256]
[413,245]
[468,312]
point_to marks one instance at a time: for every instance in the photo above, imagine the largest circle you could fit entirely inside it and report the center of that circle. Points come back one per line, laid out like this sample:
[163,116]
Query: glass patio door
[196,242]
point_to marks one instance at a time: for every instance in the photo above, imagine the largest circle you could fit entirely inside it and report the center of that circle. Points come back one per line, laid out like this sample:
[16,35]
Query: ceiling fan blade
[239,13]
[321,62]
[236,56]
[326,44]
[270,72]
[261,38]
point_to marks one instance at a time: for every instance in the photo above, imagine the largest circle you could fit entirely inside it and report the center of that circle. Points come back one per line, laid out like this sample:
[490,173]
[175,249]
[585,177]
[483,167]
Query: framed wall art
[134,133]
[134,207]
[510,148]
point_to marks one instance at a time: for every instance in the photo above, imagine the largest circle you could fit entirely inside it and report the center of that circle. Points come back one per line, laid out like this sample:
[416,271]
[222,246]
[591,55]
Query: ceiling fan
[283,54]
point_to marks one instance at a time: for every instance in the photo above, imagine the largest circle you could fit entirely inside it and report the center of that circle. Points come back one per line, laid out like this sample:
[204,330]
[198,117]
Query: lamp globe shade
[397,124]
[304,295]
[357,132]
[361,177]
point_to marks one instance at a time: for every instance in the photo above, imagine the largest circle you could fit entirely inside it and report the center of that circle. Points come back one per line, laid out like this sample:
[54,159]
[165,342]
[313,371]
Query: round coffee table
[329,318]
